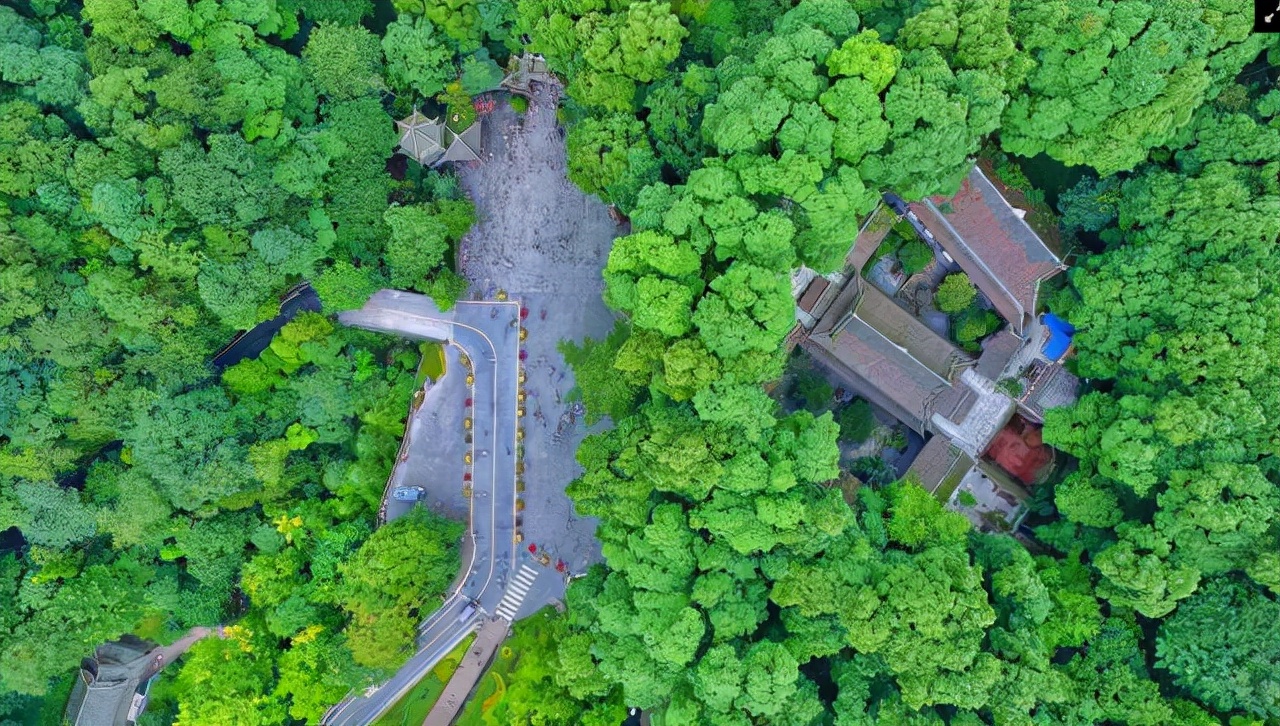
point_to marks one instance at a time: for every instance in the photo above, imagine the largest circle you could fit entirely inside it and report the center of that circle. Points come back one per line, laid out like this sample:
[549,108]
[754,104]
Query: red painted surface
[1020,450]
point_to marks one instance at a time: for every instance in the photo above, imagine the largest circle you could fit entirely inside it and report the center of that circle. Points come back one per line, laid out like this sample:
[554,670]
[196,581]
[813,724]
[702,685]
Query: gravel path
[545,242]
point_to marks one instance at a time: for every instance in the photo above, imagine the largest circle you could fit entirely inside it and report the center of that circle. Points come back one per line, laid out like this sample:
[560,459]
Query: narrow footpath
[472,667]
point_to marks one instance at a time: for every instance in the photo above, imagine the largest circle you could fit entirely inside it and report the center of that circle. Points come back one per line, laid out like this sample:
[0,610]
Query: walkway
[166,654]
[472,667]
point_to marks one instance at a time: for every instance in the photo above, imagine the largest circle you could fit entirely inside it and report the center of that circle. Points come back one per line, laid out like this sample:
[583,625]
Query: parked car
[408,494]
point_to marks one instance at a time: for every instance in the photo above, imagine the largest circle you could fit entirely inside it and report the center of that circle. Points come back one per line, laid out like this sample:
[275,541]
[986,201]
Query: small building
[112,686]
[523,71]
[431,142]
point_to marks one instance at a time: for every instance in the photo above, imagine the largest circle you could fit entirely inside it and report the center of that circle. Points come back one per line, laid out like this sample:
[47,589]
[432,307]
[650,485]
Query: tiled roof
[1051,386]
[906,331]
[1003,256]
[891,357]
[954,403]
[869,237]
[464,146]
[812,293]
[997,351]
[937,461]
[103,693]
[422,138]
[884,372]
[429,141]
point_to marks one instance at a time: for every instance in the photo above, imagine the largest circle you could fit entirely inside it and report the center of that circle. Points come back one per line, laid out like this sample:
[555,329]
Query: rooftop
[103,694]
[1049,385]
[906,331]
[997,351]
[812,293]
[940,463]
[1002,255]
[884,371]
[429,141]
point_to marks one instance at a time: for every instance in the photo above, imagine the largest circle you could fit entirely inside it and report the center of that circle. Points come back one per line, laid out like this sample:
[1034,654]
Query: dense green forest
[171,168]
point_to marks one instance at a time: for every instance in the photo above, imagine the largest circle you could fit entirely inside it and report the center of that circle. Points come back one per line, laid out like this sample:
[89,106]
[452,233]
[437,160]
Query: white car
[408,494]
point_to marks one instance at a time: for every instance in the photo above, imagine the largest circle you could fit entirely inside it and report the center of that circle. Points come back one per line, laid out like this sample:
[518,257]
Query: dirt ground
[545,243]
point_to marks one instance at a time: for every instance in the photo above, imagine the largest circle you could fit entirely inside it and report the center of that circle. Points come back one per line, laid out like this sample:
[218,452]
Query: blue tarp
[1060,332]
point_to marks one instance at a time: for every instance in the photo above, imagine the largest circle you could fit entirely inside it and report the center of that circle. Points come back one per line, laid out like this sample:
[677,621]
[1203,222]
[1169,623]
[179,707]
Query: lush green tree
[228,681]
[416,246]
[1160,63]
[955,293]
[418,56]
[337,11]
[343,60]
[1221,646]
[404,566]
[611,157]
[342,286]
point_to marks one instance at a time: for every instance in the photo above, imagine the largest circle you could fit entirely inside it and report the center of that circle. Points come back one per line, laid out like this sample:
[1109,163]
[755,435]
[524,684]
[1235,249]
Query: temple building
[979,412]
[431,142]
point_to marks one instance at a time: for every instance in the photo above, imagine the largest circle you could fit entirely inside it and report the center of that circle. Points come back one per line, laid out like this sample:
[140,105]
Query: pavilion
[431,142]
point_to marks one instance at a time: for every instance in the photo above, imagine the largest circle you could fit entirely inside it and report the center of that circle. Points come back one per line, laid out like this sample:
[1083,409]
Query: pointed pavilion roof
[422,138]
[464,146]
[431,142]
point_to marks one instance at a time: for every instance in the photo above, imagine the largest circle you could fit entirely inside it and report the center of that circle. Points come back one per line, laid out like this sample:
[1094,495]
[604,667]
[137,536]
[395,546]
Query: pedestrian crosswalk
[519,587]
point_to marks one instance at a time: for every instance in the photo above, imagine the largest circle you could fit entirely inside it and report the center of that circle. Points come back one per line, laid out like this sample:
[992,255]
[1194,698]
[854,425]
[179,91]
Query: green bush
[904,230]
[955,293]
[967,499]
[856,421]
[914,256]
[519,104]
[873,470]
[813,390]
[1011,386]
[974,324]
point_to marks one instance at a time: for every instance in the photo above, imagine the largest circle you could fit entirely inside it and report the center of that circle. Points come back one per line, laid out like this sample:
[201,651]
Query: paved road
[252,342]
[488,333]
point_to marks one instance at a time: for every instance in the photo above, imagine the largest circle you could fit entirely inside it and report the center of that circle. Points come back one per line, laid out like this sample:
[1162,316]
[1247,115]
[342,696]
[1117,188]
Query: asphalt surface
[488,334]
[252,342]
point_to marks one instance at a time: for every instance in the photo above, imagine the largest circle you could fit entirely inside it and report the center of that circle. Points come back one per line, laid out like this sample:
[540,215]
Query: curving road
[488,333]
